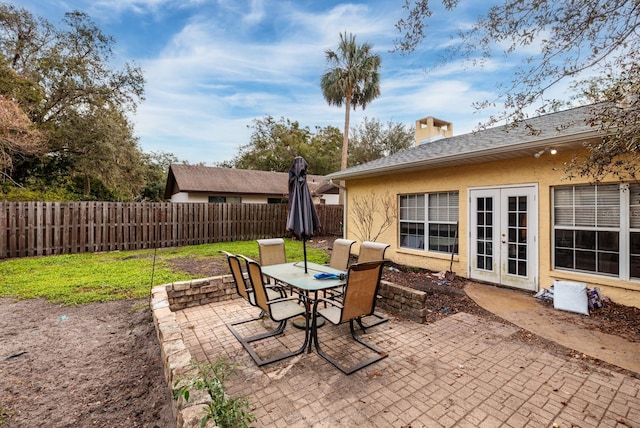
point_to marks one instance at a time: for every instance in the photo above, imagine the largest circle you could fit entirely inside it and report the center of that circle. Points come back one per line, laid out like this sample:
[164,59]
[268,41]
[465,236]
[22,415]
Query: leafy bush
[226,411]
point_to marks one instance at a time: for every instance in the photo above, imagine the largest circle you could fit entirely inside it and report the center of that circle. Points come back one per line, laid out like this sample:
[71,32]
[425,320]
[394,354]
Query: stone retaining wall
[404,301]
[176,358]
[186,294]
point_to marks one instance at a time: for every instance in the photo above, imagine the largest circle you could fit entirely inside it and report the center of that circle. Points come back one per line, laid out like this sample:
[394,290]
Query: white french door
[503,236]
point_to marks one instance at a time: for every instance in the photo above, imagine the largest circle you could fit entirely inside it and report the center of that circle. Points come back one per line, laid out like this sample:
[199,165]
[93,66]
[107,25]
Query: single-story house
[196,183]
[496,207]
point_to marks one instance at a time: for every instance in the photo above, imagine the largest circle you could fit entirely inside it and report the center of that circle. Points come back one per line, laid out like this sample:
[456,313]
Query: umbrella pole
[304,250]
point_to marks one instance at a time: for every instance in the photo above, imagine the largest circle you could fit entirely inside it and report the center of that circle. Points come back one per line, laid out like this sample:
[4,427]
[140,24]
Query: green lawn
[76,279]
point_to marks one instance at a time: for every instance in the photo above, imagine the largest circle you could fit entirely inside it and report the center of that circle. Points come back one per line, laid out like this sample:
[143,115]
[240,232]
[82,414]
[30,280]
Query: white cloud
[219,64]
[256,13]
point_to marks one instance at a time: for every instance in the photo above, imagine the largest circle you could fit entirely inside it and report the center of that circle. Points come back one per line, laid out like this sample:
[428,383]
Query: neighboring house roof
[206,179]
[327,188]
[568,129]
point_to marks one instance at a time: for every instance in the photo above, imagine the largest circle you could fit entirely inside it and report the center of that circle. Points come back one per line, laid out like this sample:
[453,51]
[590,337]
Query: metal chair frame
[245,292]
[340,256]
[279,310]
[359,300]
[370,251]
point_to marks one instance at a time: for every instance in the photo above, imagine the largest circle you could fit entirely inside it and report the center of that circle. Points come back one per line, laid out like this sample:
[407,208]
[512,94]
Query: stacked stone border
[176,358]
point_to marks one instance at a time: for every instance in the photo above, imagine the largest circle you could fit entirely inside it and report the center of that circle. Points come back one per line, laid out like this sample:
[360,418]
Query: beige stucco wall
[184,197]
[253,199]
[204,198]
[541,172]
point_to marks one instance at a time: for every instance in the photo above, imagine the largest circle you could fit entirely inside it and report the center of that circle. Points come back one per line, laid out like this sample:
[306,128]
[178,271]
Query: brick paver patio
[462,371]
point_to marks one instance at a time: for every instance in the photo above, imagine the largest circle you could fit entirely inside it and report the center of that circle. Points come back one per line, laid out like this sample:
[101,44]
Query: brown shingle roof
[196,178]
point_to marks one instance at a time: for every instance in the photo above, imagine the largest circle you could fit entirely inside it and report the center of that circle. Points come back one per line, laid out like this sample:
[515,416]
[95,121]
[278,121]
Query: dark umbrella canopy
[302,219]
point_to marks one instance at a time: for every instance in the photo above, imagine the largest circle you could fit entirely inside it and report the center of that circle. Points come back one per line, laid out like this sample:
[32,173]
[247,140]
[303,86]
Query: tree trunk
[345,136]
[87,185]
[345,144]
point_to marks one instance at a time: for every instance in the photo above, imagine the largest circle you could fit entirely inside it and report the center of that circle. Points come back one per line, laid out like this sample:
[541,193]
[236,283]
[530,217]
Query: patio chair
[279,310]
[340,253]
[370,251]
[246,292]
[272,251]
[359,300]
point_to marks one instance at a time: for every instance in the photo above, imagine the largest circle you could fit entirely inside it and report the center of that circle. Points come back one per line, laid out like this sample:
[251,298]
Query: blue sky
[213,66]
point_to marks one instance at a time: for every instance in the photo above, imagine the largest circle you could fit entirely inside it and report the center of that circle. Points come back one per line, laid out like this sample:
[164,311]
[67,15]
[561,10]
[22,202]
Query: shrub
[226,411]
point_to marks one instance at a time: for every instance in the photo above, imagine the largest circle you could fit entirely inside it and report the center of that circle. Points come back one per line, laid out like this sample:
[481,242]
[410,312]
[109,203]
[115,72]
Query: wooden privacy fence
[44,228]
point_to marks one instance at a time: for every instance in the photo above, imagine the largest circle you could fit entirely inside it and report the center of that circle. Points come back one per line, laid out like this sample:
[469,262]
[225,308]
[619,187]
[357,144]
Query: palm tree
[352,80]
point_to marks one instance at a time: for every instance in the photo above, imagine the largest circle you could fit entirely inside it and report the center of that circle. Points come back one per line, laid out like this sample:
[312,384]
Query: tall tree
[571,38]
[372,139]
[274,144]
[99,144]
[17,135]
[69,63]
[324,150]
[156,168]
[352,80]
[82,104]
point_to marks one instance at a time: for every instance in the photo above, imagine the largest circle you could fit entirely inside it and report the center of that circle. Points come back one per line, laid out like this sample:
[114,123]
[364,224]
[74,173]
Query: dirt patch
[92,365]
[99,364]
[204,268]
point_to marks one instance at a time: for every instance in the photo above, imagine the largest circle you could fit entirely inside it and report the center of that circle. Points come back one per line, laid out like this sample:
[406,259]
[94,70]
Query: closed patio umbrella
[302,219]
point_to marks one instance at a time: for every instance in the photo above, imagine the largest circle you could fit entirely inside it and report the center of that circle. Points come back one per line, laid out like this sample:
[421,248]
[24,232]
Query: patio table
[293,274]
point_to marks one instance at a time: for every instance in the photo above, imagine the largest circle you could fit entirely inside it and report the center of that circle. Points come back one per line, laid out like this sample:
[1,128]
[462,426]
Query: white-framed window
[596,229]
[428,221]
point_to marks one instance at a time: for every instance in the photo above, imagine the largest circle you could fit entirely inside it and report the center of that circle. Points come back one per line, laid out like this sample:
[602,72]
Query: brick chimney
[431,129]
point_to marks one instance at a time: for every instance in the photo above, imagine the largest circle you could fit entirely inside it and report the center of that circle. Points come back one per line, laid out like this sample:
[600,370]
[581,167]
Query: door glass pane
[522,268]
[517,235]
[484,234]
[522,204]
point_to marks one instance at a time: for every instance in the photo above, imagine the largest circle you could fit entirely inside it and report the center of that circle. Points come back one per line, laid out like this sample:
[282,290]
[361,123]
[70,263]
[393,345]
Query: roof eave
[572,141]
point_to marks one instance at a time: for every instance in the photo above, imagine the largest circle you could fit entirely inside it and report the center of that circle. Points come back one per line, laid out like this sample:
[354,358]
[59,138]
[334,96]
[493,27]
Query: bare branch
[366,210]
